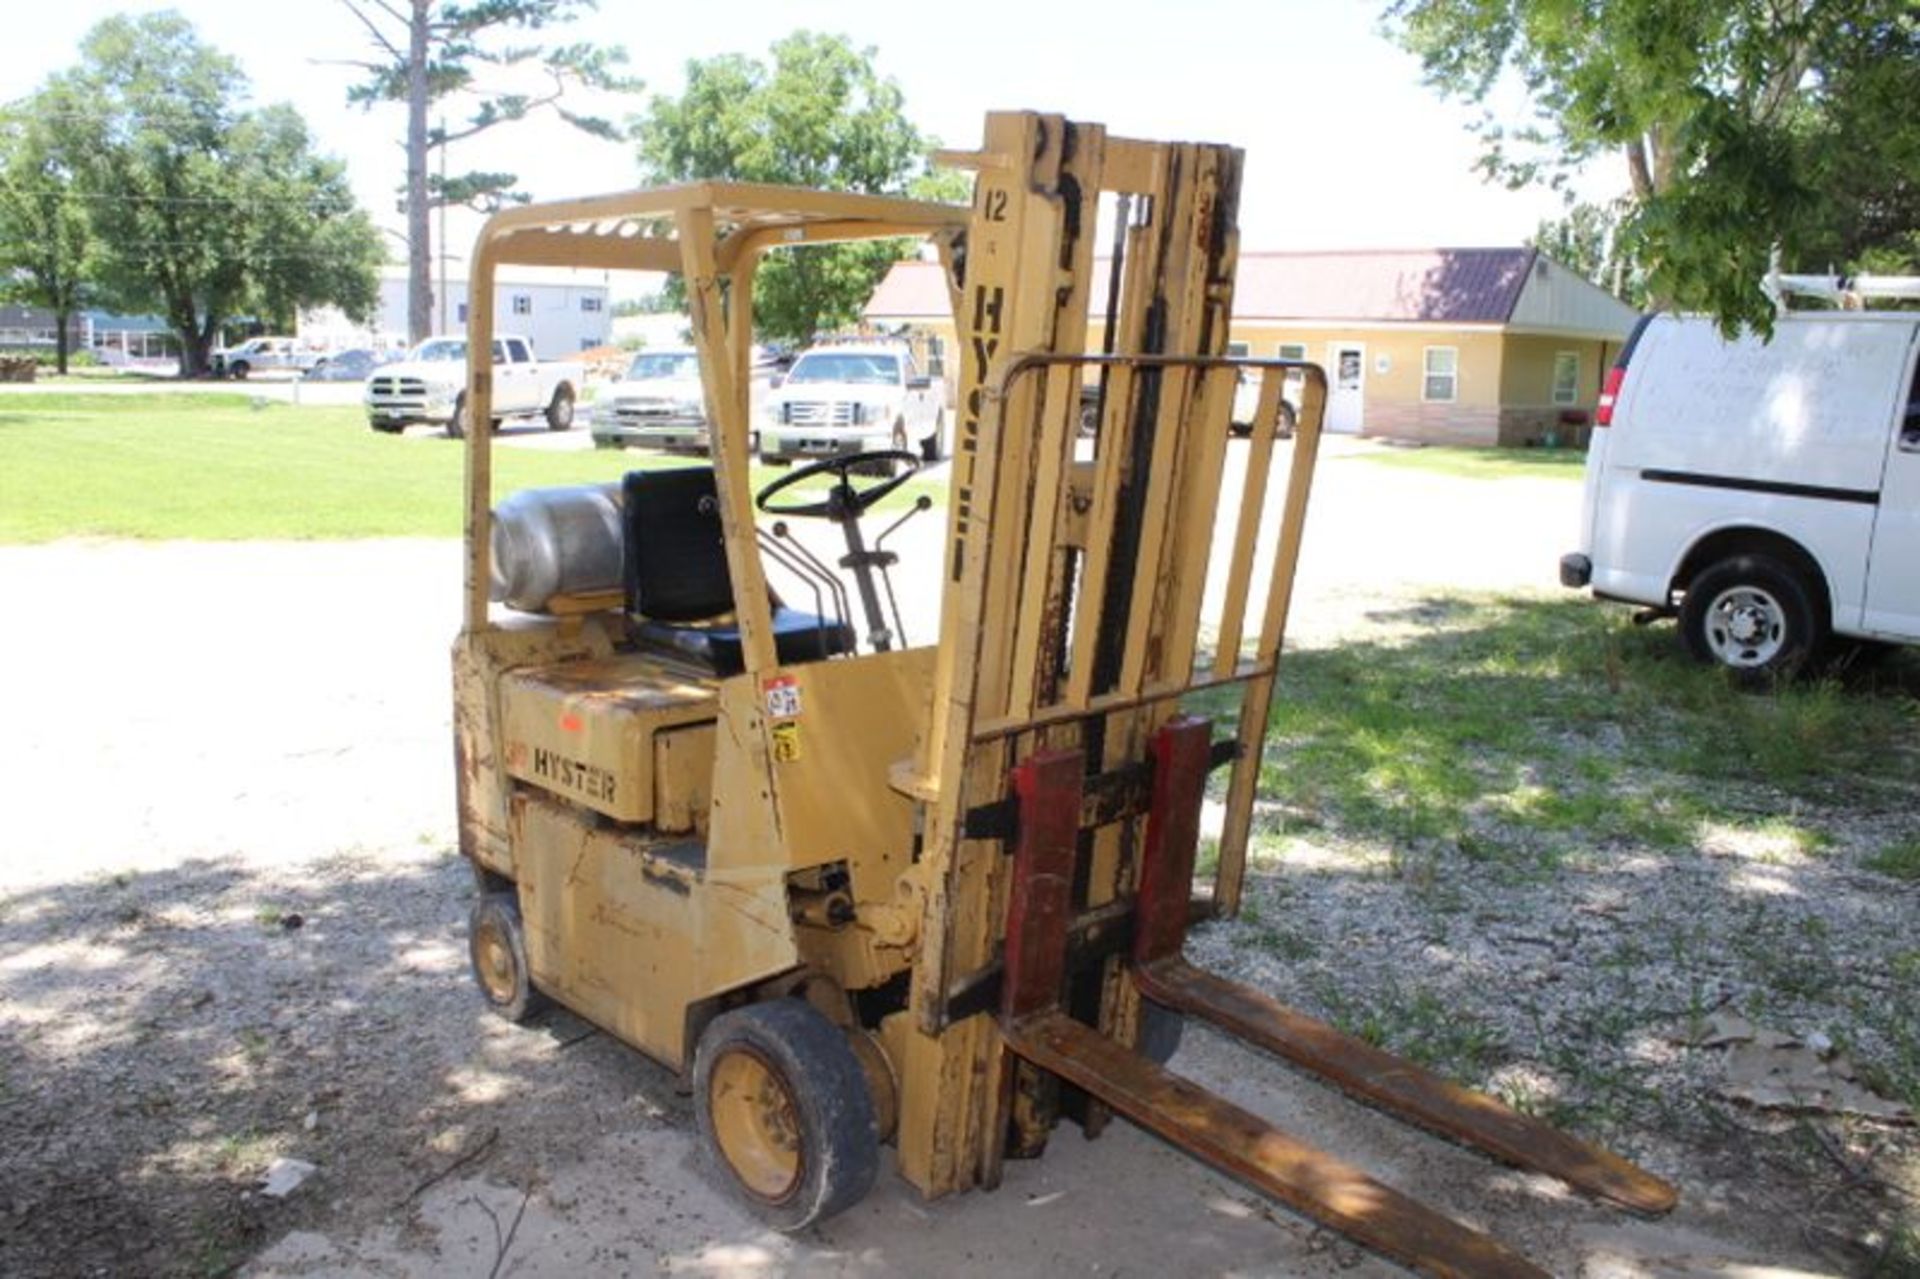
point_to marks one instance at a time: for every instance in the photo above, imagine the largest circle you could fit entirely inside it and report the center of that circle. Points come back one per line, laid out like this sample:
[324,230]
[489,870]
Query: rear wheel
[497,949]
[784,1108]
[1754,616]
[560,408]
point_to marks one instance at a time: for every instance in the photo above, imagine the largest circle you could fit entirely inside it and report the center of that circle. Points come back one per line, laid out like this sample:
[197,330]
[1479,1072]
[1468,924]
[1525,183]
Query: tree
[47,253]
[428,52]
[204,210]
[820,117]
[1588,239]
[1744,125]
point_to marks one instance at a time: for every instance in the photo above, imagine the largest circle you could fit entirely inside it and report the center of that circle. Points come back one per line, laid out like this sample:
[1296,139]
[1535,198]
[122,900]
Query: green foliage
[1587,239]
[1744,126]
[201,209]
[820,116]
[47,248]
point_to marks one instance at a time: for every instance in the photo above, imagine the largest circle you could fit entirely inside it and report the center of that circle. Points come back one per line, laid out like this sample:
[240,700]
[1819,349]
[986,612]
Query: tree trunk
[62,316]
[419,241]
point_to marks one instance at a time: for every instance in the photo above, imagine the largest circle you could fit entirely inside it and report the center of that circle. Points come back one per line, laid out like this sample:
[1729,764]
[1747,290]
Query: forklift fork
[1037,1028]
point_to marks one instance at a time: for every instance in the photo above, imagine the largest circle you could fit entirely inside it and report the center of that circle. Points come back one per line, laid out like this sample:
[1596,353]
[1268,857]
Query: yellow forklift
[861,892]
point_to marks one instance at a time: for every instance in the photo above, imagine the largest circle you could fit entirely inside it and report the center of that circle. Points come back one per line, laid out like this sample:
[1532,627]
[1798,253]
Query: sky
[1346,148]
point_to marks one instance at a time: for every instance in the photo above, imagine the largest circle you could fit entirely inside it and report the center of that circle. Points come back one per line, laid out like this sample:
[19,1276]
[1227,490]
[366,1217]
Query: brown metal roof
[1407,286]
[1403,286]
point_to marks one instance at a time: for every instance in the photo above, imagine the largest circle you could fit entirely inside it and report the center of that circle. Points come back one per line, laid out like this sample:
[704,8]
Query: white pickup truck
[258,354]
[430,385]
[853,398]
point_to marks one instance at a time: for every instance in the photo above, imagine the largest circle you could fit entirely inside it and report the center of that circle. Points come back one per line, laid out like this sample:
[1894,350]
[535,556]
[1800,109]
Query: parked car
[853,397]
[1766,493]
[259,354]
[353,365]
[430,385]
[657,402]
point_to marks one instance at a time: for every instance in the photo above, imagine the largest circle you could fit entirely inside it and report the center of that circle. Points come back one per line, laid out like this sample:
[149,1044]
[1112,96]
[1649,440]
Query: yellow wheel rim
[494,963]
[755,1123]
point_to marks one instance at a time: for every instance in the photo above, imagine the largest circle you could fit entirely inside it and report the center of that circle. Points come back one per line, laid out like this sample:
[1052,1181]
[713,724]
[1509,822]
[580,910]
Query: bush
[44,357]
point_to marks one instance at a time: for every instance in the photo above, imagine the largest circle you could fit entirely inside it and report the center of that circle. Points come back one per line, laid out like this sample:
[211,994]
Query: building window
[1566,377]
[589,305]
[1238,350]
[1442,384]
[1291,350]
[523,304]
[936,356]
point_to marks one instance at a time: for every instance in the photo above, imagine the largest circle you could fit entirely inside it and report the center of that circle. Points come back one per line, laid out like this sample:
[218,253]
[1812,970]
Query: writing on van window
[1810,383]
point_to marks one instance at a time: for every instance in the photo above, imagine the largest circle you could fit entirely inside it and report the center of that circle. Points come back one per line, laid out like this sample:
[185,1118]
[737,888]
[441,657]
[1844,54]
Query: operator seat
[675,575]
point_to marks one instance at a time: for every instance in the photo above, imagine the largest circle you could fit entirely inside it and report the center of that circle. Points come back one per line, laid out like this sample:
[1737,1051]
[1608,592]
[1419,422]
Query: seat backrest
[675,559]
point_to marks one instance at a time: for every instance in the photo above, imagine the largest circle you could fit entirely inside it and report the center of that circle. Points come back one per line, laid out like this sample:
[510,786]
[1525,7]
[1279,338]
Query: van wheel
[785,1112]
[457,424]
[497,949]
[930,446]
[560,411]
[1754,616]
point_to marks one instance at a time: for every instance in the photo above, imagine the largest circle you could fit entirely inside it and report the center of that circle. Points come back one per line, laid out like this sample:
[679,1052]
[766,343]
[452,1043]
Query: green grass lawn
[1482,464]
[211,466]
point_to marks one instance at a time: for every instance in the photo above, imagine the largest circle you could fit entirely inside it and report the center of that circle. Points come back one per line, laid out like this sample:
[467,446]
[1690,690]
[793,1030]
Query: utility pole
[441,242]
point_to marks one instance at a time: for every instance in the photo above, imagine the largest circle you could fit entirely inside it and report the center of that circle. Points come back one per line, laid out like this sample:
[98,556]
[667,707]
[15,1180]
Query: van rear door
[1893,565]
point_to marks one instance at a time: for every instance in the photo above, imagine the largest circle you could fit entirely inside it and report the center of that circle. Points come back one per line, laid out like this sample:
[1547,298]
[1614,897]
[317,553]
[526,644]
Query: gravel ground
[231,930]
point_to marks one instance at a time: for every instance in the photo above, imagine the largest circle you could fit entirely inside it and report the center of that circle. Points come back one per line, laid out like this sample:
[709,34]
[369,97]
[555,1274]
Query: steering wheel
[843,501]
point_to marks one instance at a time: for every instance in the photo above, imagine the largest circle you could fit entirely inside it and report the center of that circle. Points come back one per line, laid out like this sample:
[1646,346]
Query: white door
[1893,569]
[1346,386]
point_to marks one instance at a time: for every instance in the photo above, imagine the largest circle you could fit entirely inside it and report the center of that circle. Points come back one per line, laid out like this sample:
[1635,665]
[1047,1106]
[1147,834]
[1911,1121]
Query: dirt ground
[232,930]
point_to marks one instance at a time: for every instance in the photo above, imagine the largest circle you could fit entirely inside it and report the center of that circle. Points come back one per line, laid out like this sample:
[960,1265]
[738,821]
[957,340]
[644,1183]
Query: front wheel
[930,446]
[560,409]
[239,369]
[785,1111]
[1753,615]
[457,424]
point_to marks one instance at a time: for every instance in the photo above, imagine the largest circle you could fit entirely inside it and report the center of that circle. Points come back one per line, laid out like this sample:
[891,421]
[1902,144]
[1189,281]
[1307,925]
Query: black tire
[560,408]
[497,954]
[1754,616]
[457,424]
[930,447]
[239,370]
[1285,423]
[808,1147]
[1161,1030]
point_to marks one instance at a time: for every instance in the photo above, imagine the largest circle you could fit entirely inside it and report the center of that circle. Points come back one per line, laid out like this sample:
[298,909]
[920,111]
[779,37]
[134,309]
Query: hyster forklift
[860,892]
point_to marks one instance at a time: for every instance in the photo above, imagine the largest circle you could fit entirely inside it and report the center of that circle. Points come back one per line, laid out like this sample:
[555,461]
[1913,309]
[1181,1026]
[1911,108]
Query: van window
[1442,382]
[1566,377]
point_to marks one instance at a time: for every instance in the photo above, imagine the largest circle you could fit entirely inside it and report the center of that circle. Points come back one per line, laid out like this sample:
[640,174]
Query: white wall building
[563,312]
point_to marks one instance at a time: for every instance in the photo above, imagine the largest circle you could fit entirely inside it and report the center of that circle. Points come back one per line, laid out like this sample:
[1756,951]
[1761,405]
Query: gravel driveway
[231,930]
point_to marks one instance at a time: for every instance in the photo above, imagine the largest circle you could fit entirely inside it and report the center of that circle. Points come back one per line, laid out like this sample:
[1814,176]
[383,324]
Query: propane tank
[556,541]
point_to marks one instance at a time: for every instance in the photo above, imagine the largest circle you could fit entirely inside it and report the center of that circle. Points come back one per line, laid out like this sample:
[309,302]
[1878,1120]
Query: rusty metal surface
[1401,1088]
[1181,751]
[1245,1146]
[1040,895]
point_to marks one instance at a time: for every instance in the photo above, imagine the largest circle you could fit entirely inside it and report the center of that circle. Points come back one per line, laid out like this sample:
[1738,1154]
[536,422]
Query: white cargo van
[1766,493]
